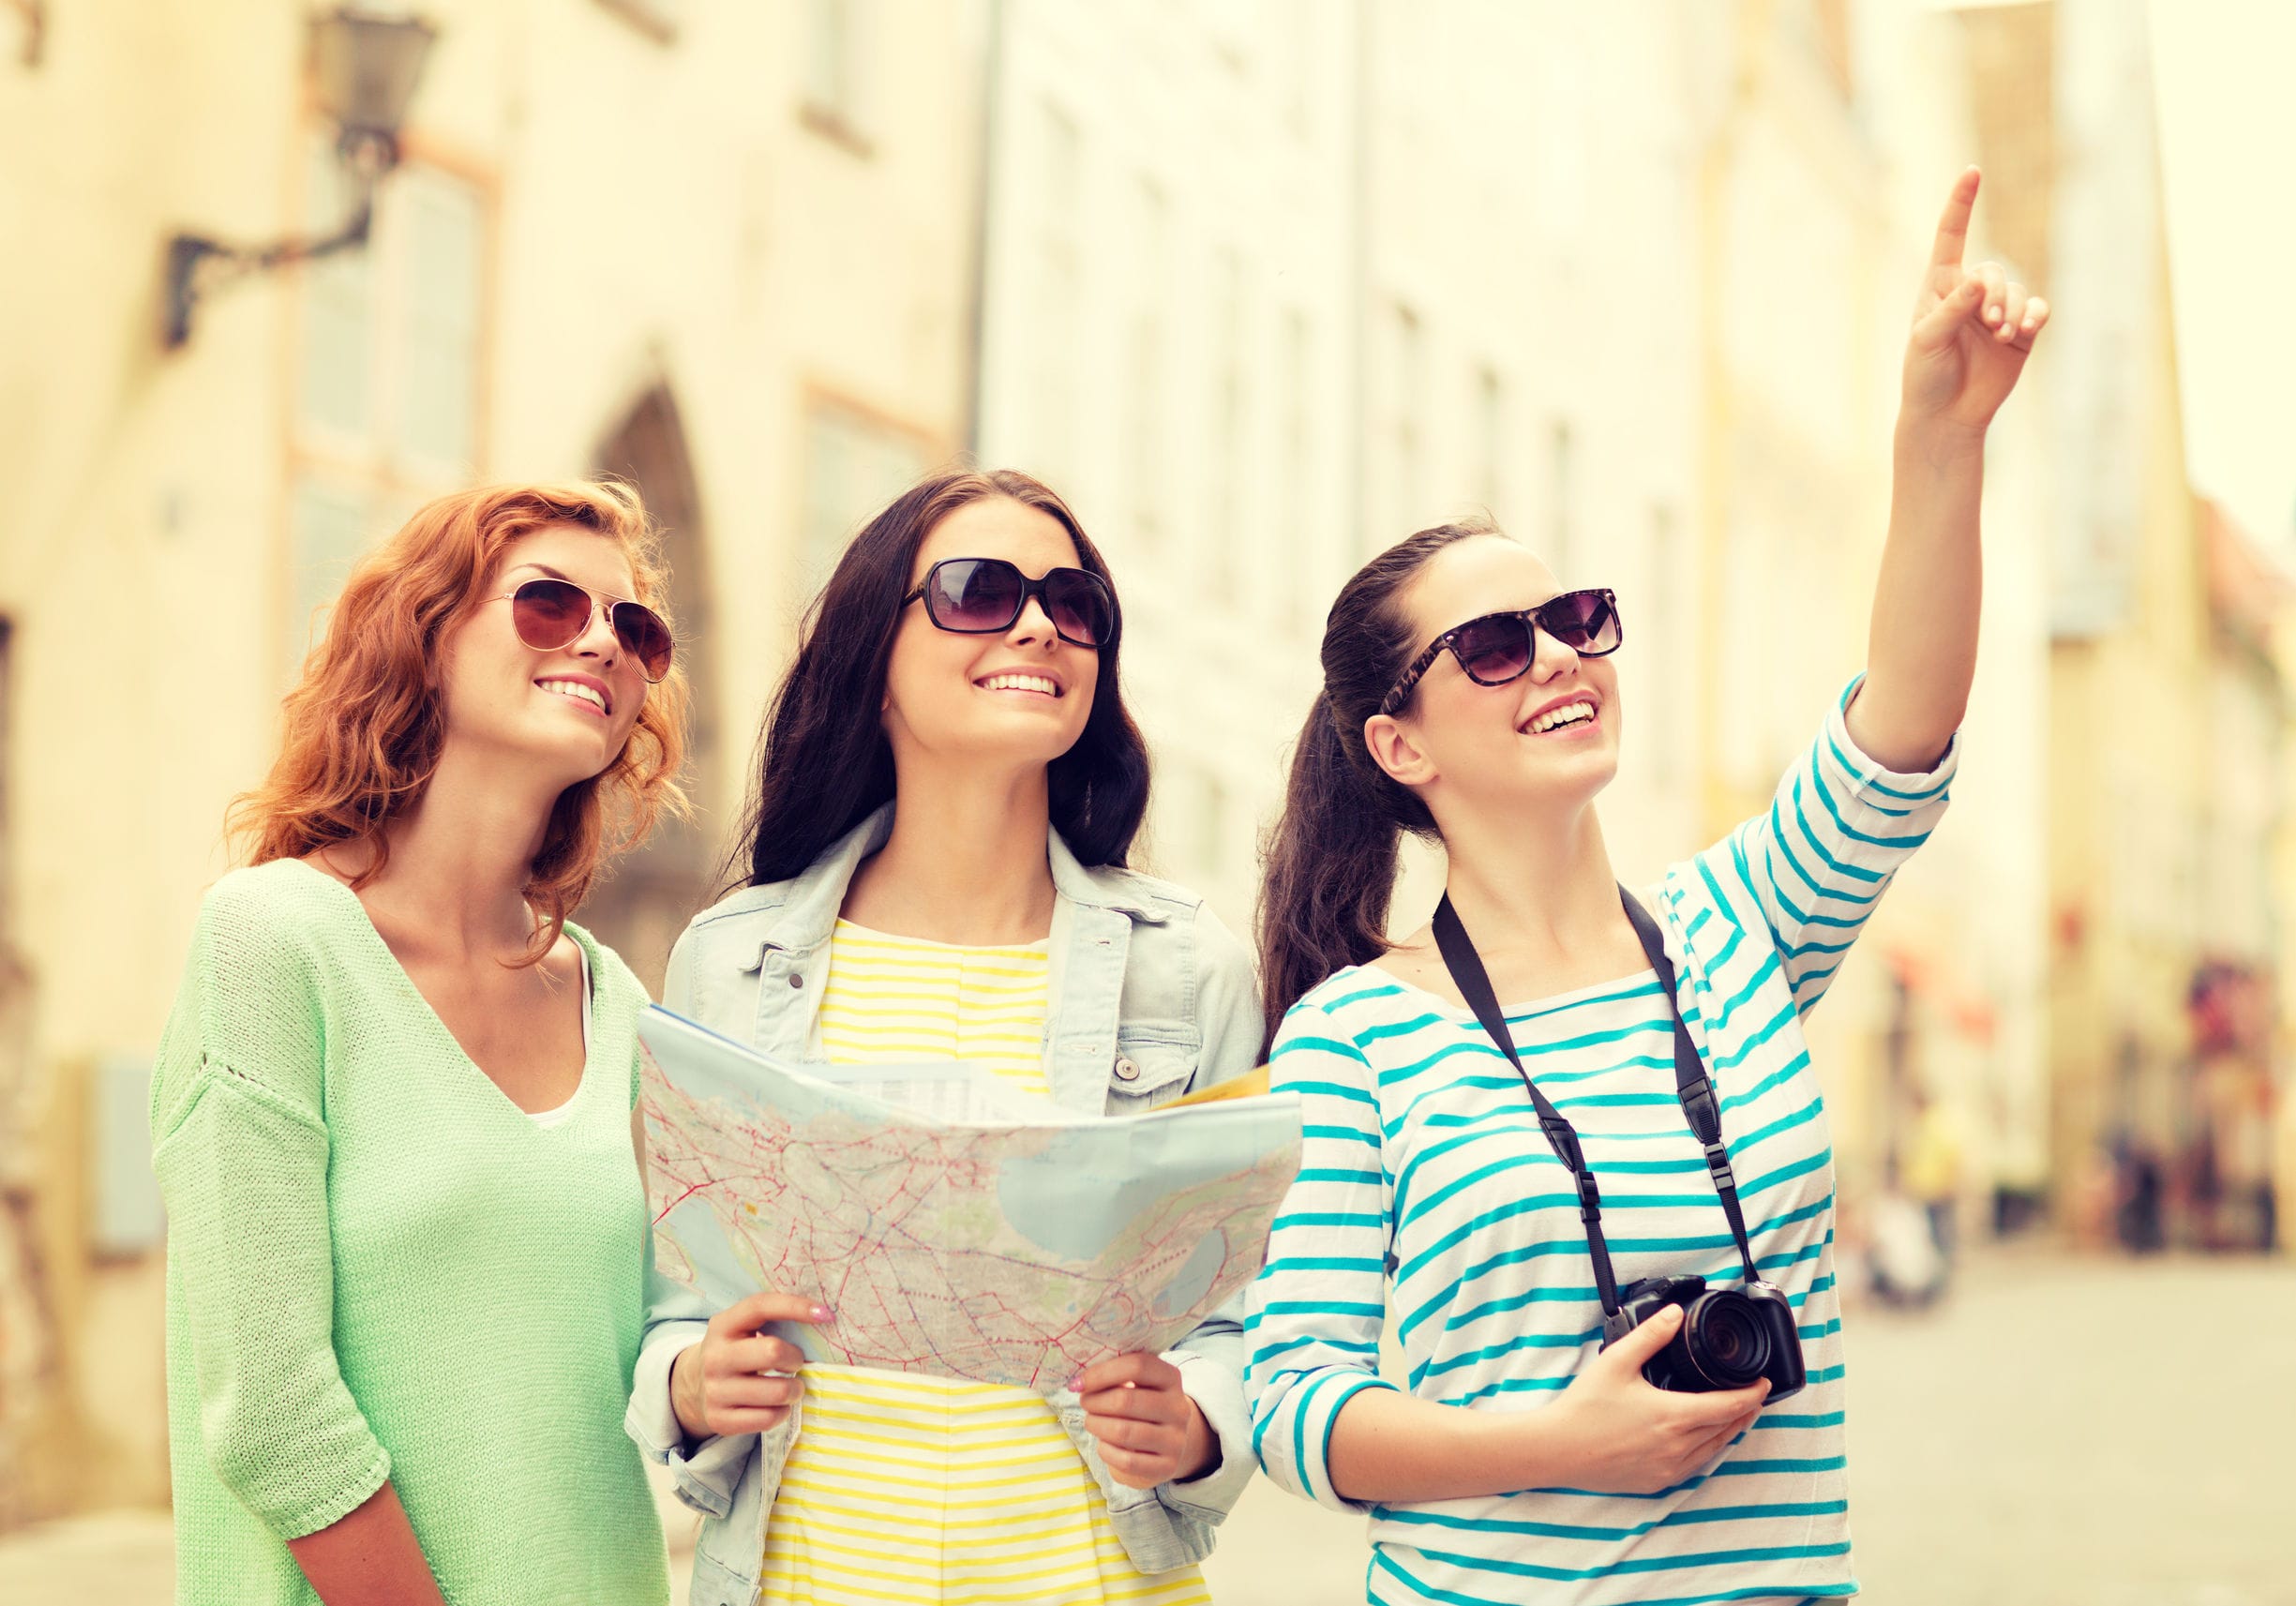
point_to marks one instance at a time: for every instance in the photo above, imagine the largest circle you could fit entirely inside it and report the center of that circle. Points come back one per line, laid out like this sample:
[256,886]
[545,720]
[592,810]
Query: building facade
[724,249]
[1409,262]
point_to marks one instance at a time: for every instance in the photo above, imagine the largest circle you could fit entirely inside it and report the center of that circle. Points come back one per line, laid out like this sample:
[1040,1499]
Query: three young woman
[392,1112]
[394,1109]
[936,851]
[1440,1200]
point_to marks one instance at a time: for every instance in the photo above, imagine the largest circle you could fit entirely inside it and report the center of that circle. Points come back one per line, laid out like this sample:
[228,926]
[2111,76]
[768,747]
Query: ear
[1392,747]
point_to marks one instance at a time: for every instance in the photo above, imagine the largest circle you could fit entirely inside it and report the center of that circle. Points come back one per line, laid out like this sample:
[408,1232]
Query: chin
[1029,741]
[1579,780]
[569,761]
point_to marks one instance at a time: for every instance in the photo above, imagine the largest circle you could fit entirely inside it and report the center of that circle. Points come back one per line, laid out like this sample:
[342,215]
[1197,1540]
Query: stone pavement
[2059,1433]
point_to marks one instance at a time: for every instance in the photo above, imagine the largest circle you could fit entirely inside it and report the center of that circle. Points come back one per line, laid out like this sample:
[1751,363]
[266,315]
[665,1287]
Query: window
[331,524]
[1146,472]
[855,463]
[390,366]
[337,322]
[1829,30]
[8,835]
[386,401]
[1661,619]
[438,340]
[1227,421]
[1193,810]
[1060,289]
[1212,828]
[1408,408]
[1491,440]
[1559,530]
[834,50]
[1293,48]
[1297,573]
[657,18]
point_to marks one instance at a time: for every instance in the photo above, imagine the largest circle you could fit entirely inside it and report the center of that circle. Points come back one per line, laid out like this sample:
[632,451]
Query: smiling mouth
[1562,718]
[1043,686]
[579,692]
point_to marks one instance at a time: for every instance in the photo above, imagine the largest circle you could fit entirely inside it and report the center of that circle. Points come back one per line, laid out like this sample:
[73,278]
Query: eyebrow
[543,568]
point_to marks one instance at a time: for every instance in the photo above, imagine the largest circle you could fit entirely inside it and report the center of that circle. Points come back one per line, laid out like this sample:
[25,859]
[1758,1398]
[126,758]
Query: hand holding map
[1017,1249]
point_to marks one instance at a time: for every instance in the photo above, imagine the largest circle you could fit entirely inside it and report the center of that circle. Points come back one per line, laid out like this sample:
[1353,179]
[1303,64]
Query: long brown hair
[1331,860]
[365,726]
[824,764]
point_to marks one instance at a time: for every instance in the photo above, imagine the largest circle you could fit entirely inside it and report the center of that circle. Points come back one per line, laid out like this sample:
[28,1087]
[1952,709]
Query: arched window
[647,899]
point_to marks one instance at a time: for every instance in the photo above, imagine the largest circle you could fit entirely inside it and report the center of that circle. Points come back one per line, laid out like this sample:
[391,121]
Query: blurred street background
[2066,1430]
[1261,286]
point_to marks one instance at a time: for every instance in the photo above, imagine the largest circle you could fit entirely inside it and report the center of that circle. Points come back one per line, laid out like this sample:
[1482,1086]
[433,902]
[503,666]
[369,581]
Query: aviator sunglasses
[980,596]
[550,614]
[1499,647]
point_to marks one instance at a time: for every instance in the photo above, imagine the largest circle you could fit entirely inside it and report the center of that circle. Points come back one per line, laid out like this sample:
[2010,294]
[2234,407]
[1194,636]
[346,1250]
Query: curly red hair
[366,724]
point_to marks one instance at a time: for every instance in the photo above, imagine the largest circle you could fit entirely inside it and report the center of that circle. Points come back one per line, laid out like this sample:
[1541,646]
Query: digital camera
[1729,1337]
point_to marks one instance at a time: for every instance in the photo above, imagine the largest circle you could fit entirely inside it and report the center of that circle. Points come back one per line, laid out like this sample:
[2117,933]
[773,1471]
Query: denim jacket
[1151,998]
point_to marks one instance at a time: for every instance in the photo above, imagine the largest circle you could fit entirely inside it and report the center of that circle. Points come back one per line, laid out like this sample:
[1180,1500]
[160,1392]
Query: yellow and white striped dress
[911,1489]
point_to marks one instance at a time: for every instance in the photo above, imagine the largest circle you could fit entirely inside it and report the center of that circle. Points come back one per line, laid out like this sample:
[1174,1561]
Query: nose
[598,639]
[1550,657]
[1033,625]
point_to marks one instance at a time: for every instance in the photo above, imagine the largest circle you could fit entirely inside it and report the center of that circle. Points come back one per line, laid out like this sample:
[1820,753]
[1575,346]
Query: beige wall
[650,214]
[1678,244]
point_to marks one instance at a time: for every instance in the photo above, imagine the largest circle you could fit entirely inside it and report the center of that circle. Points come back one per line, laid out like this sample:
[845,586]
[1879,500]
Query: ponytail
[1331,860]
[1330,870]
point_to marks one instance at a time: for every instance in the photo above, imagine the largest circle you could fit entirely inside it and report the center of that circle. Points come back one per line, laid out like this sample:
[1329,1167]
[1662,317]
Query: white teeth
[574,689]
[1569,713]
[1020,683]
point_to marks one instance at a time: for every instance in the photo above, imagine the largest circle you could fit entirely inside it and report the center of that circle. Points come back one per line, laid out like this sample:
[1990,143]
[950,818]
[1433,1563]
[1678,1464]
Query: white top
[554,1116]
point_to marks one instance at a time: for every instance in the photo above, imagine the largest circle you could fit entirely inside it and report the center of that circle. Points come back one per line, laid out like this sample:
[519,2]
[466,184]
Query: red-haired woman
[393,1115]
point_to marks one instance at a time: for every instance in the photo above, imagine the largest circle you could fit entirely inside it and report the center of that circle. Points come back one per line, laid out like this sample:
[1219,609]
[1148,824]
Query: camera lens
[1727,1339]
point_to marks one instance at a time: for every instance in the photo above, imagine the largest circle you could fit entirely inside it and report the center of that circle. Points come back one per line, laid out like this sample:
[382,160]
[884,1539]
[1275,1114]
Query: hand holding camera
[1727,1337]
[1624,1435]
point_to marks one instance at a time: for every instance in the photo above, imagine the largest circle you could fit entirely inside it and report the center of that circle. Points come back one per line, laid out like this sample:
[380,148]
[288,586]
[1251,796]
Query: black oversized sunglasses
[1499,647]
[979,596]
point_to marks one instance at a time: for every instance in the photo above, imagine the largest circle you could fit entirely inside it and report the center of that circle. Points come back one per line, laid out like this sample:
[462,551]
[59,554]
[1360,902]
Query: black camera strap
[1692,1088]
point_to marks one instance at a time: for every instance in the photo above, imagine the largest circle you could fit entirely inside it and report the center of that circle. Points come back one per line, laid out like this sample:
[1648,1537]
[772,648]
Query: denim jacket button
[796,980]
[1126,1070]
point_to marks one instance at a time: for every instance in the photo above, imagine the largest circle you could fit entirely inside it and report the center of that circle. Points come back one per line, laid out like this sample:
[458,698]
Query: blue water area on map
[1195,1277]
[1077,1195]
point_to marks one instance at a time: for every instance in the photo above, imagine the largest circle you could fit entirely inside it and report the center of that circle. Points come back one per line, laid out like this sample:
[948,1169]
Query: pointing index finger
[750,1314]
[1953,223]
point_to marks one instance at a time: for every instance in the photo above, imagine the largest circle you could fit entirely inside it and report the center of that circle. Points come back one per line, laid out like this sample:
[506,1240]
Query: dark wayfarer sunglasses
[550,614]
[980,596]
[1499,647]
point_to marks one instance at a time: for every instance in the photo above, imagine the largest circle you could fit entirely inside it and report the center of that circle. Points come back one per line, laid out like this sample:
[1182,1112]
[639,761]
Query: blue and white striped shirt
[1419,1138]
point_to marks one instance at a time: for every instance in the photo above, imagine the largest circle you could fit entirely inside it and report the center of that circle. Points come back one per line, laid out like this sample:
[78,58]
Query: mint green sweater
[381,1268]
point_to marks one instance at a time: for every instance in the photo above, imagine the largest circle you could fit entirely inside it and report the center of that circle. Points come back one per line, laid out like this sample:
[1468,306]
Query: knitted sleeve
[240,1146]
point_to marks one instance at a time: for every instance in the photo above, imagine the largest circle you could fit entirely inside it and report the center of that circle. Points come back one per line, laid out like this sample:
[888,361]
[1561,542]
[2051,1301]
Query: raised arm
[1972,330]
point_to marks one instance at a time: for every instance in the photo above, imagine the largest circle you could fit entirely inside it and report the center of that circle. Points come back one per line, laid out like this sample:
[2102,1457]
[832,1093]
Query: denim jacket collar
[809,902]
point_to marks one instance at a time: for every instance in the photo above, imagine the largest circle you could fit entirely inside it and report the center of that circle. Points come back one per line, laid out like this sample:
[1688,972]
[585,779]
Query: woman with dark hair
[936,851]
[393,1113]
[1526,1196]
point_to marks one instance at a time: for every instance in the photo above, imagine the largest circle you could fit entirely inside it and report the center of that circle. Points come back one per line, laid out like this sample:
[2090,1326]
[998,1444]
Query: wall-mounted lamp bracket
[365,64]
[197,266]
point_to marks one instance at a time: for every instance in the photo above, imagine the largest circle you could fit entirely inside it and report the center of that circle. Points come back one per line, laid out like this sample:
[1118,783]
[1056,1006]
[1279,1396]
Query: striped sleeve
[1314,1313]
[1820,858]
